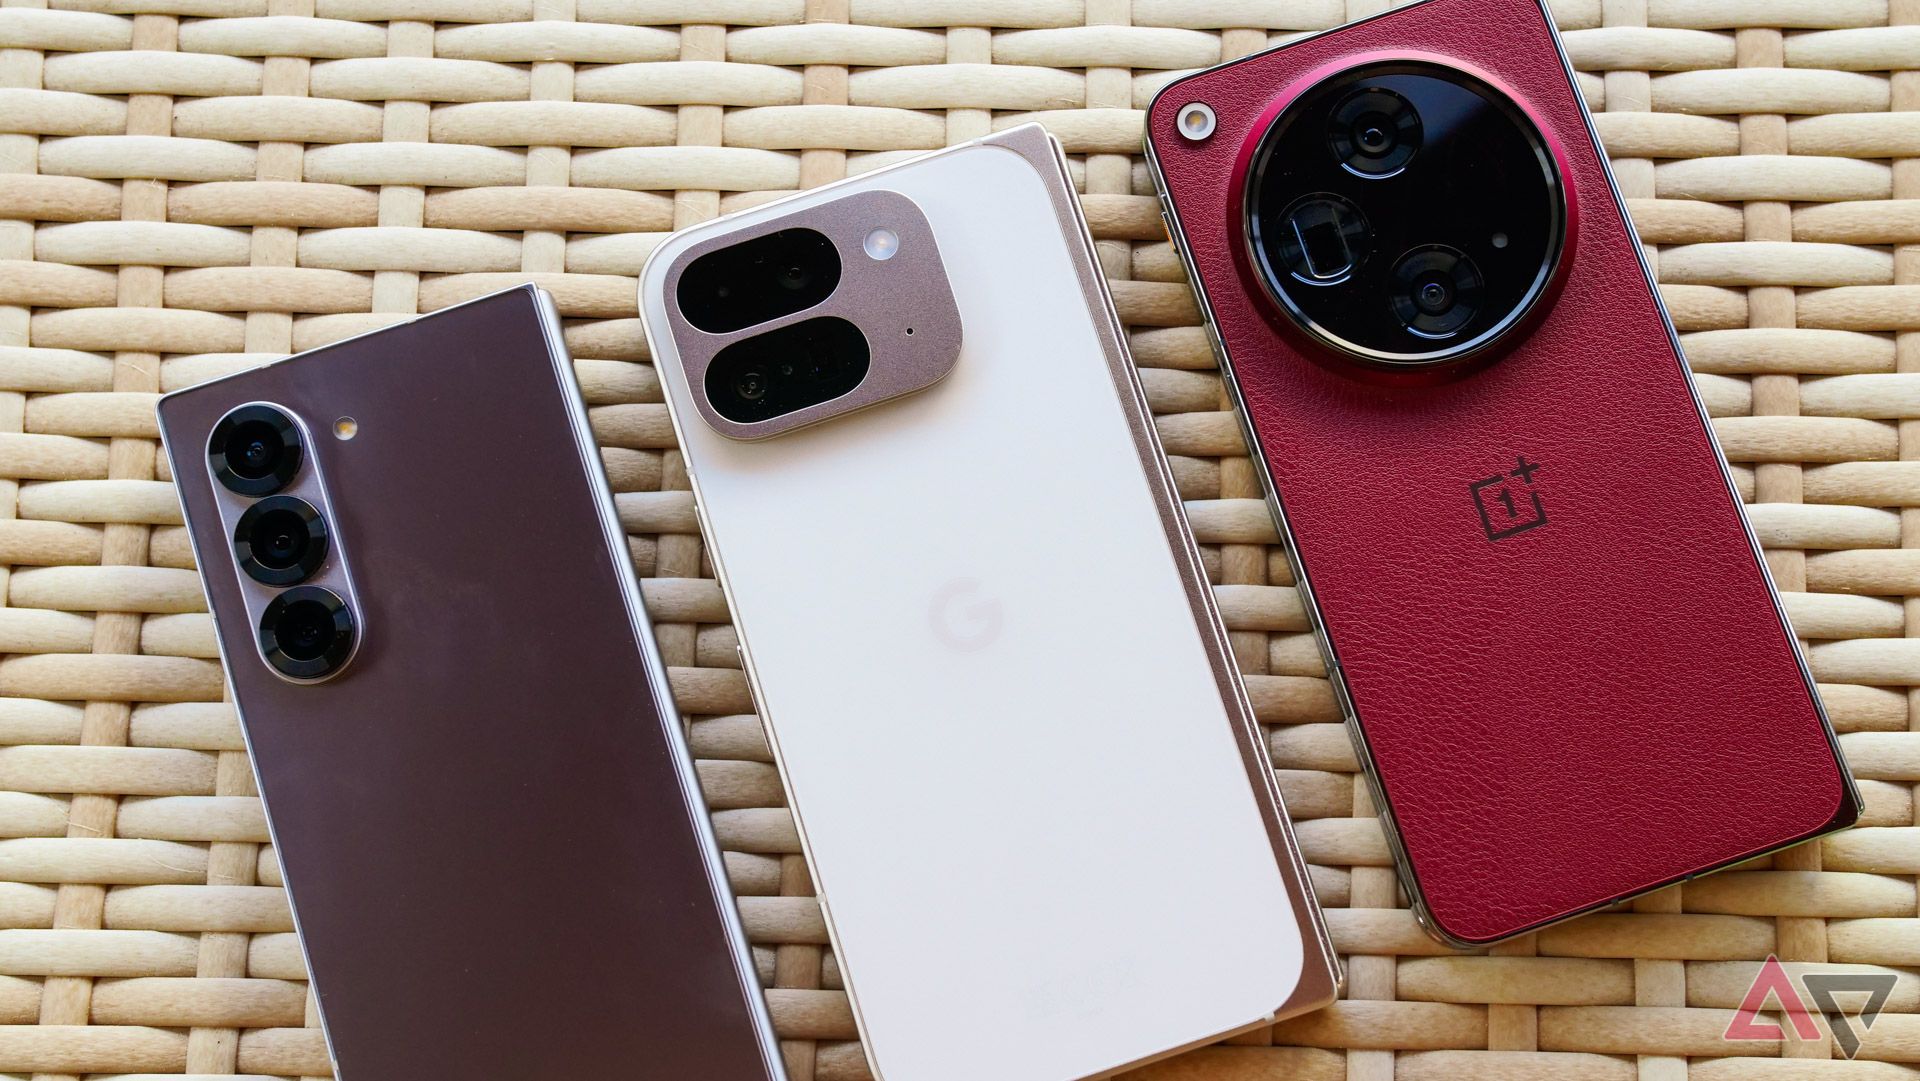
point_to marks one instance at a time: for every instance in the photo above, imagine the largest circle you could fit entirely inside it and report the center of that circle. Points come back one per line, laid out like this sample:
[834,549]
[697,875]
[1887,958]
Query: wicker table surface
[188,186]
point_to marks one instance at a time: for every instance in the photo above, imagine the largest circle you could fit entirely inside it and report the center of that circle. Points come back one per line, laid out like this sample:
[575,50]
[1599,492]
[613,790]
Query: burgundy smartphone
[488,823]
[1560,652]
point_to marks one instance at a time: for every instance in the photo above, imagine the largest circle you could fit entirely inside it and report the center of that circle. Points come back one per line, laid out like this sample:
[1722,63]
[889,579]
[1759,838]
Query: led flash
[881,244]
[1196,121]
[346,428]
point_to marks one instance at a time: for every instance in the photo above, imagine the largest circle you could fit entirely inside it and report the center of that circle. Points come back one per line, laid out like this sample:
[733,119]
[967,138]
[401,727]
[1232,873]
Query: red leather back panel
[1599,704]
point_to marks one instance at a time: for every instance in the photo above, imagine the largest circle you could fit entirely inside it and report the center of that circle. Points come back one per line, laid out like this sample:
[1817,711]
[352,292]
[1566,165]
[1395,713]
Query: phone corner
[654,267]
[1848,803]
[1321,981]
[1033,144]
[1152,109]
[164,406]
[1460,938]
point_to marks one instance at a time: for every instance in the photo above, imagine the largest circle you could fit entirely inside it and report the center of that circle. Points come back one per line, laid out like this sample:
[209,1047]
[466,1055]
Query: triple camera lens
[1436,290]
[256,450]
[306,632]
[280,540]
[1405,213]
[1374,131]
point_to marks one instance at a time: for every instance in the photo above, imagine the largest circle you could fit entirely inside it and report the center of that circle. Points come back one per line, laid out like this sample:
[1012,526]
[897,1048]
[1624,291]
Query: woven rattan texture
[190,186]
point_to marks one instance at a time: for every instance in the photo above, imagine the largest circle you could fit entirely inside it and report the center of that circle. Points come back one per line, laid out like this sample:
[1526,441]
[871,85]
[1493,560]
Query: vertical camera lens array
[307,631]
[792,367]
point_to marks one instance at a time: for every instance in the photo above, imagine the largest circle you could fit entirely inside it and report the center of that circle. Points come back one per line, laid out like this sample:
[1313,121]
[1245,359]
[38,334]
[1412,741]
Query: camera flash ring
[1196,121]
[881,244]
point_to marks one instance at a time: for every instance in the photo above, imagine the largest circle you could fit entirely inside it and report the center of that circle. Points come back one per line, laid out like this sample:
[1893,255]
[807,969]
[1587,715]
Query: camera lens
[794,277]
[751,384]
[255,450]
[1436,291]
[1434,296]
[1374,131]
[280,540]
[307,632]
[1319,239]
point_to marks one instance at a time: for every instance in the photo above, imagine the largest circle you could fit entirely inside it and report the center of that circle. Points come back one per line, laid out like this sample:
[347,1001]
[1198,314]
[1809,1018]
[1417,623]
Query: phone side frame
[652,664]
[1422,911]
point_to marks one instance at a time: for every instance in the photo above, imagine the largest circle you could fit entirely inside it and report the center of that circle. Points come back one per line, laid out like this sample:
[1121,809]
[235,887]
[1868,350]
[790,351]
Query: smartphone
[1559,650]
[977,628]
[487,820]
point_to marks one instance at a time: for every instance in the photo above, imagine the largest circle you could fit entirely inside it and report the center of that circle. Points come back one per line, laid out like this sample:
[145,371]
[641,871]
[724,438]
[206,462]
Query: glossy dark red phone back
[1559,639]
[485,833]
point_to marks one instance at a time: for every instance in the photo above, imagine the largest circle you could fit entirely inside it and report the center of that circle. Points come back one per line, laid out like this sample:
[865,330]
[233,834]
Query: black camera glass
[1404,212]
[786,370]
[762,279]
[307,632]
[255,450]
[280,540]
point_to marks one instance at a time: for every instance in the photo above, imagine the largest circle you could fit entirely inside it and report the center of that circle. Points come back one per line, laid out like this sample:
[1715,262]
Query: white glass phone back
[1021,796]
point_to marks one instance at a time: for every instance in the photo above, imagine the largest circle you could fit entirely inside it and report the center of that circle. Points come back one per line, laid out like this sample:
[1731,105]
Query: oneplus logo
[1508,502]
[963,618]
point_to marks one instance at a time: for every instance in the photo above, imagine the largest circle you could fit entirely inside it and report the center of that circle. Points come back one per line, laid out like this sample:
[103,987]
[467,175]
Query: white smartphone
[1025,772]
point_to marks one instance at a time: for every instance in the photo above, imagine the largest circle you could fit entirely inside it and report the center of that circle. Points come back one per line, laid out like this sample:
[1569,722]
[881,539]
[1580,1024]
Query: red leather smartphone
[1558,647]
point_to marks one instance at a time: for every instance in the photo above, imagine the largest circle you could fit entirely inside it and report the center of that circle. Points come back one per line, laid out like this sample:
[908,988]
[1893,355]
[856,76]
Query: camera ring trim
[1557,165]
[293,438]
[319,540]
[335,573]
[340,648]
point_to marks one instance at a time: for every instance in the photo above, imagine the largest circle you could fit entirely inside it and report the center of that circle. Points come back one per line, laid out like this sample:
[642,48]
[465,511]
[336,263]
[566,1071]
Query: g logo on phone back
[963,617]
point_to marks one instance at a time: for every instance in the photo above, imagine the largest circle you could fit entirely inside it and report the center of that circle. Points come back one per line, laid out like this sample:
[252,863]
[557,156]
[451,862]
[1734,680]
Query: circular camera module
[255,450]
[1374,131]
[1404,213]
[280,540]
[307,632]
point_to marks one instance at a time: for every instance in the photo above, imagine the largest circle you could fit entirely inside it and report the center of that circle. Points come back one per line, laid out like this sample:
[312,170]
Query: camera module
[280,540]
[255,450]
[307,632]
[1404,213]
